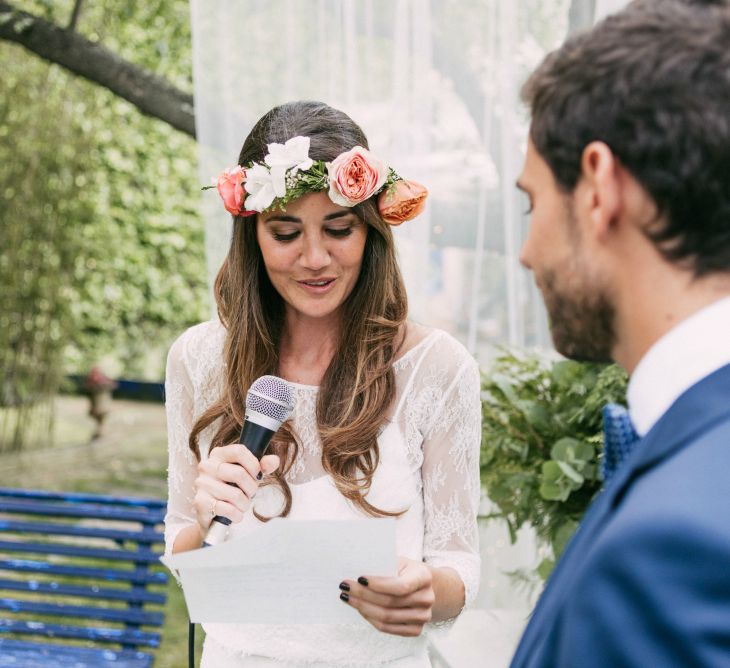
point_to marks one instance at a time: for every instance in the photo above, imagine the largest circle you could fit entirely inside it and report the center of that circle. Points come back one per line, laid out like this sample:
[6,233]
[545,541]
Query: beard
[581,323]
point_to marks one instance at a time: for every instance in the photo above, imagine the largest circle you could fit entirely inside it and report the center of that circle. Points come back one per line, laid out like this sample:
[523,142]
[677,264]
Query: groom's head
[628,166]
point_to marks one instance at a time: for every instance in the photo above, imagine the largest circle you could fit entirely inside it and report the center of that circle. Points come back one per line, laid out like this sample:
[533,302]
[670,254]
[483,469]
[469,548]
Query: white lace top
[429,464]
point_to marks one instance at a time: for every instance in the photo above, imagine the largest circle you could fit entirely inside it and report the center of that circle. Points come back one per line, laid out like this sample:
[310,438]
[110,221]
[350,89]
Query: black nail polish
[344,597]
[260,475]
[344,586]
[363,581]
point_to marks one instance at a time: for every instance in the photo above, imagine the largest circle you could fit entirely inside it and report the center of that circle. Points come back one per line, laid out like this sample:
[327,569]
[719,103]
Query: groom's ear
[601,196]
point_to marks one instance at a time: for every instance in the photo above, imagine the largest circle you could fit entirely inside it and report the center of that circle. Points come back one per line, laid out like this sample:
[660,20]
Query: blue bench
[81,569]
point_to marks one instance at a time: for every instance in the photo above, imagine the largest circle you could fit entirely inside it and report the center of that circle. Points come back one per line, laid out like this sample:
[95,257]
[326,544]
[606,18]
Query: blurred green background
[101,254]
[101,243]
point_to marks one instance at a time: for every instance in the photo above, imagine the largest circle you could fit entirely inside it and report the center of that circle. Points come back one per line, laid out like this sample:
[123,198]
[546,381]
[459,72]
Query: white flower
[265,182]
[278,180]
[260,187]
[292,155]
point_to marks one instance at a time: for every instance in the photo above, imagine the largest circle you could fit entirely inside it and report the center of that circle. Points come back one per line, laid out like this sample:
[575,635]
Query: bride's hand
[400,605]
[214,495]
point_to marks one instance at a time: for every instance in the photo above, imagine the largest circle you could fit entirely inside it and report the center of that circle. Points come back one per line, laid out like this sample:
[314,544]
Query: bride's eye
[288,236]
[340,232]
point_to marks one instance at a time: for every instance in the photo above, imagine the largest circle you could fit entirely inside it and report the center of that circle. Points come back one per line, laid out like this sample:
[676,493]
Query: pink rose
[403,202]
[230,188]
[355,176]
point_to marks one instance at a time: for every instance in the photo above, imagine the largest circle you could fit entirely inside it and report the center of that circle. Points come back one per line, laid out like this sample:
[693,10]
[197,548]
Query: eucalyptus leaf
[538,415]
[551,472]
[563,535]
[565,449]
[584,451]
[554,492]
[570,473]
[545,568]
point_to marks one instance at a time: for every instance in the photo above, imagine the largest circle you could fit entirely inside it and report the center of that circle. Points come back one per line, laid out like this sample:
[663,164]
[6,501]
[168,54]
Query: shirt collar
[691,350]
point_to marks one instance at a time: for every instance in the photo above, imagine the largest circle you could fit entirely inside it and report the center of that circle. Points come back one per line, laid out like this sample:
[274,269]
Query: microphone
[269,403]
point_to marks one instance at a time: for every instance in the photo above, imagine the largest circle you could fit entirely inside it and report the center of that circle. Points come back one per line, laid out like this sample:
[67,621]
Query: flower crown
[288,173]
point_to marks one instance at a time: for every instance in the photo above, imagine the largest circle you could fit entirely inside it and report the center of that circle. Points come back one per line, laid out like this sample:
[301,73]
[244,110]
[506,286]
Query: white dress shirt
[686,354]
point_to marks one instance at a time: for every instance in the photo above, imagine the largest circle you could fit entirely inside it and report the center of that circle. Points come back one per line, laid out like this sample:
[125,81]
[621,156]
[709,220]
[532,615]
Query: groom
[628,176]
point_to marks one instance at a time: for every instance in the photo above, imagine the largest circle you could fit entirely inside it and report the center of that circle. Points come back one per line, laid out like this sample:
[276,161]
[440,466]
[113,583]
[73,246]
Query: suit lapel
[697,410]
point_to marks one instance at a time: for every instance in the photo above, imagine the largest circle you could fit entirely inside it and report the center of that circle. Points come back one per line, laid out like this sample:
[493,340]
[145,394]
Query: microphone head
[270,396]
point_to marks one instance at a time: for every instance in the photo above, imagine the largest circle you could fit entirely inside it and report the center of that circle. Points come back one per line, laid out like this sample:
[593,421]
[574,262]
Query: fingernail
[344,597]
[260,475]
[344,586]
[363,581]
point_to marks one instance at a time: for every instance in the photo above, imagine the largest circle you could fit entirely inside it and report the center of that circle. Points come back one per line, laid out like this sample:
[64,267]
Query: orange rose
[403,202]
[230,188]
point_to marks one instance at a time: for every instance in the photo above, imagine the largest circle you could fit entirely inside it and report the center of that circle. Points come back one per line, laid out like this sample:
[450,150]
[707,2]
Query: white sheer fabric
[429,468]
[435,86]
[605,7]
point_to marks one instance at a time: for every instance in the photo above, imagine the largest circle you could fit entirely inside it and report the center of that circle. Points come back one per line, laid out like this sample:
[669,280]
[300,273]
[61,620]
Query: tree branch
[151,94]
[74,16]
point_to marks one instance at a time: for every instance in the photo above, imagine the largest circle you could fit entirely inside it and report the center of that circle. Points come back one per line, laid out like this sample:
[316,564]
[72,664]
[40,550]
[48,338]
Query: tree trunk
[151,94]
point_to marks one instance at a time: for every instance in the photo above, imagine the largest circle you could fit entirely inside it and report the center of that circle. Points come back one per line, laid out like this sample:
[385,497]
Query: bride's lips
[317,285]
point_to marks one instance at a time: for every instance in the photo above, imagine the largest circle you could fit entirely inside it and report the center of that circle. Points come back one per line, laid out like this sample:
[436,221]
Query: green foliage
[140,275]
[542,442]
[101,243]
[36,252]
[102,199]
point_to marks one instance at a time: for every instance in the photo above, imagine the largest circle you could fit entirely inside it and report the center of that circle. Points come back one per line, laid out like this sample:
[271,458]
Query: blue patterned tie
[619,438]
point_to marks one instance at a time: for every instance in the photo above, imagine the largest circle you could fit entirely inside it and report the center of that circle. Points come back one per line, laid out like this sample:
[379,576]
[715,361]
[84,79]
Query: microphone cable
[191,644]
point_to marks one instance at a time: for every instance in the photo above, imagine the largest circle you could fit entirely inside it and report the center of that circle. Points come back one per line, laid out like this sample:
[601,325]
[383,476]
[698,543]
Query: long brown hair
[358,387]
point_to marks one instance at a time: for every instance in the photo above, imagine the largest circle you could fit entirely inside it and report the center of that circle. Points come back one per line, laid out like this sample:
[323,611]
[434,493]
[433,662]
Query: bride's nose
[315,255]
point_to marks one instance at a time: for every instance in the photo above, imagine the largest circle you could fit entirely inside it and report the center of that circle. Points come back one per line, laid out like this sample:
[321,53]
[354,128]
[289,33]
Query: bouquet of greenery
[542,441]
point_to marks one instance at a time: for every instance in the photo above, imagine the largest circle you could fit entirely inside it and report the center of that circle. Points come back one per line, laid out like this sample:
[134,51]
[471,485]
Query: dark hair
[653,83]
[359,385]
[330,131]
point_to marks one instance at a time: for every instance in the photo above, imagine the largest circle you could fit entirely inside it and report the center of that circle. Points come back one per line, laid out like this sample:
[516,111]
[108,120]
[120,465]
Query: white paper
[285,572]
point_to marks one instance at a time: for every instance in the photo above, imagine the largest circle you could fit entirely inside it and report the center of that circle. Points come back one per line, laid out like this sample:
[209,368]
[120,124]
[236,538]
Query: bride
[387,416]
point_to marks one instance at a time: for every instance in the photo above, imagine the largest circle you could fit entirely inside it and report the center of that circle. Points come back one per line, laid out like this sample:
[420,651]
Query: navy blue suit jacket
[645,581]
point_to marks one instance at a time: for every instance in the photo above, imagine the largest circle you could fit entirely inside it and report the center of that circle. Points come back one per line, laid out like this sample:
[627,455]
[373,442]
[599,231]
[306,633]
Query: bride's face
[313,253]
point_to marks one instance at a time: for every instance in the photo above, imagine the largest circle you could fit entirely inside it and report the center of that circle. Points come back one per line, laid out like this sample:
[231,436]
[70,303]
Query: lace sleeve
[451,479]
[182,466]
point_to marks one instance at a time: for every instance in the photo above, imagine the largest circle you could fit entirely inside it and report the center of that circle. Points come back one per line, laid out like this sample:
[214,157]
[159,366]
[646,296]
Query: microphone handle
[256,438]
